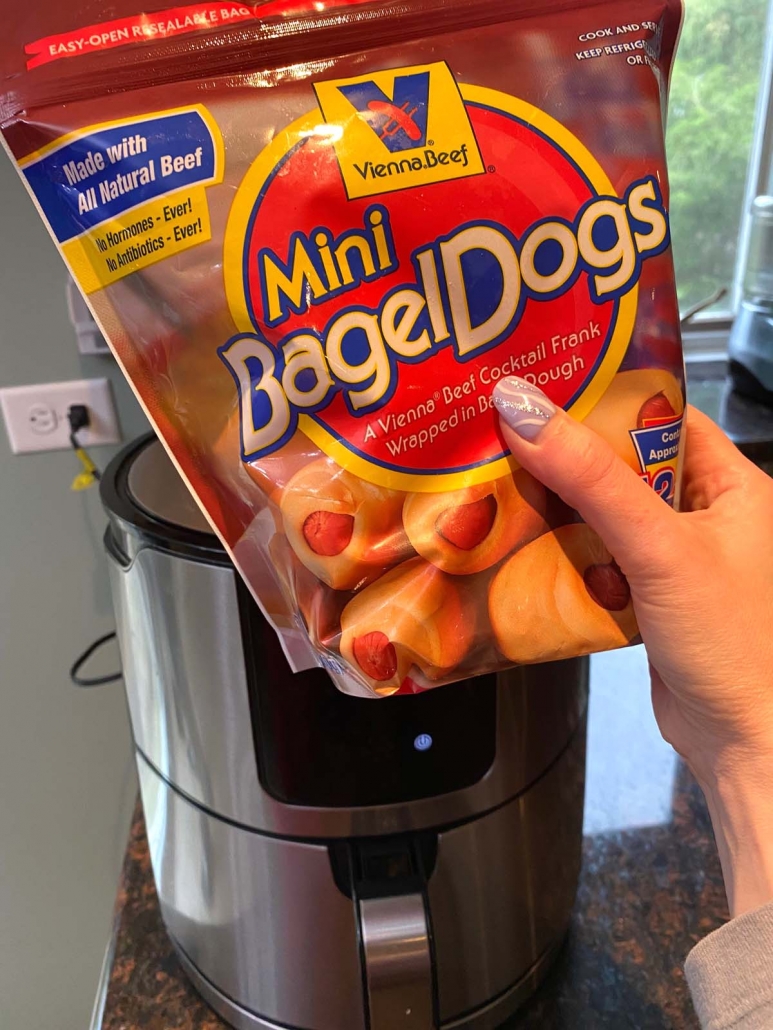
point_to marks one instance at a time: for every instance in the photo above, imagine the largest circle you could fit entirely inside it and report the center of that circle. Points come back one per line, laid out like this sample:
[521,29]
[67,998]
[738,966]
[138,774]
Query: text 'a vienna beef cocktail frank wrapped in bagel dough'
[316,235]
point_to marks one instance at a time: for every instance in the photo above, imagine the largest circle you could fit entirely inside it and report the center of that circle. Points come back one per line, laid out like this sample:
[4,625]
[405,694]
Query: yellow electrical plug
[89,475]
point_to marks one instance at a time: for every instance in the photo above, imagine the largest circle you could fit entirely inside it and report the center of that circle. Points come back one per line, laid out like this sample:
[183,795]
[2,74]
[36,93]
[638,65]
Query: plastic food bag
[317,235]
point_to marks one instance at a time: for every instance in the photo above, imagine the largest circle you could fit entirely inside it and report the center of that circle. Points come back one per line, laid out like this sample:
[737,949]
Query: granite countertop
[650,887]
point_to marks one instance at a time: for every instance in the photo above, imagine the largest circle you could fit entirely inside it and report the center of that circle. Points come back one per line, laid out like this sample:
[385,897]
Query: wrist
[740,801]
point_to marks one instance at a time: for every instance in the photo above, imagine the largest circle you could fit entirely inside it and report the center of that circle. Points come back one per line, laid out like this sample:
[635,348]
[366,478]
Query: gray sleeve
[730,974]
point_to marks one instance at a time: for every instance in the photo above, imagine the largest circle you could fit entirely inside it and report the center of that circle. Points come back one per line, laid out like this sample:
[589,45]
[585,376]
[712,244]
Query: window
[717,141]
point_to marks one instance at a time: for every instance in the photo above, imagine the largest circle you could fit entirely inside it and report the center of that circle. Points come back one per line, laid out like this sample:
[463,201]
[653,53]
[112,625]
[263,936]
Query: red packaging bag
[316,236]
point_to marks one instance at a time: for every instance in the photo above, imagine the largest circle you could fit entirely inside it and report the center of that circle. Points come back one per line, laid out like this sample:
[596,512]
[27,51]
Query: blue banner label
[98,174]
[657,448]
[657,445]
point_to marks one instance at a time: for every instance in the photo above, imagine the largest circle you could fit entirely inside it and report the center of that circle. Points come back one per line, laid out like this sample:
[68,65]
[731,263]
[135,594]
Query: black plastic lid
[144,496]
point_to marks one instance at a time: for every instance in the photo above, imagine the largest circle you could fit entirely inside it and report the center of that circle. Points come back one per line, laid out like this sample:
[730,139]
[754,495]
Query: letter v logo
[398,128]
[400,121]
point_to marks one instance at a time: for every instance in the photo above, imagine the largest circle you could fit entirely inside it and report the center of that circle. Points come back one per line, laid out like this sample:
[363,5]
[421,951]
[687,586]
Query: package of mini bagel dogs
[316,235]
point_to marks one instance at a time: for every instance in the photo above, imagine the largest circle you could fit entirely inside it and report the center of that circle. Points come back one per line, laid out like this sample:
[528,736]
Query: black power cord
[94,681]
[79,418]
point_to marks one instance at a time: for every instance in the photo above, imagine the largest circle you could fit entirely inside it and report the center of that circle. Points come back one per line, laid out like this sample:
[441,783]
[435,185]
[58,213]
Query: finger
[713,465]
[635,524]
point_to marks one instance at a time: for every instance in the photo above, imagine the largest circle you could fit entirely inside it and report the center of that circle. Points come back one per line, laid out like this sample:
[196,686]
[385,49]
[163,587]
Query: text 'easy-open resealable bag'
[317,235]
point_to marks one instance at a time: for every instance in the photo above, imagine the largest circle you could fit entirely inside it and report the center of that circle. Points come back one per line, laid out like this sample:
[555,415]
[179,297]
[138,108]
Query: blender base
[747,384]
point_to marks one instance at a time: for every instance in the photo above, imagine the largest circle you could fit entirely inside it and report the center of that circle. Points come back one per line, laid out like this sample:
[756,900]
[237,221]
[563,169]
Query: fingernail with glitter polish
[524,407]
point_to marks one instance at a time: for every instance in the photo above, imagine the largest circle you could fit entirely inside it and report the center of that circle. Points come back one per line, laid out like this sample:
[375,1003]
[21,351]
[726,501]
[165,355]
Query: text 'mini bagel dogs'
[561,595]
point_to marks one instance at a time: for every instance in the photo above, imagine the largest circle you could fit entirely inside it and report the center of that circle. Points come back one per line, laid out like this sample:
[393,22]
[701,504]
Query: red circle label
[427,422]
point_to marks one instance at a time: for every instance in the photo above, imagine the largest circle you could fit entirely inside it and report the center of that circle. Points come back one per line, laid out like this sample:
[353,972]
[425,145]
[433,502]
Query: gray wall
[67,783]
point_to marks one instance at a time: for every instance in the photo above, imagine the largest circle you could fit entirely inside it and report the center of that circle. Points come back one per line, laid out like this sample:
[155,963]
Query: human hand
[702,588]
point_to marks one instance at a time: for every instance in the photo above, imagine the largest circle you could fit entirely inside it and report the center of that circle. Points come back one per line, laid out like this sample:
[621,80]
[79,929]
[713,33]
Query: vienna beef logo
[400,128]
[400,122]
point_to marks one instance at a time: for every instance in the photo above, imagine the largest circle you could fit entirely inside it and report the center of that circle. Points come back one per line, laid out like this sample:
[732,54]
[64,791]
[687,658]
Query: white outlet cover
[90,339]
[36,416]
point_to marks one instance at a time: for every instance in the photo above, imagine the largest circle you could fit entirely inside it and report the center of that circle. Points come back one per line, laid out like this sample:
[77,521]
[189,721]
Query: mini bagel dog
[344,530]
[561,595]
[411,617]
[470,530]
[633,400]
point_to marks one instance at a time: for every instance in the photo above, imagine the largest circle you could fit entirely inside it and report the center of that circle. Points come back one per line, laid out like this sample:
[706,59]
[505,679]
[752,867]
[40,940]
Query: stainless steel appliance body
[326,862]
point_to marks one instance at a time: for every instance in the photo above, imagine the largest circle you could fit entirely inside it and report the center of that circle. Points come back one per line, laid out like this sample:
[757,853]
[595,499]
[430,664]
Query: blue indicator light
[423,742]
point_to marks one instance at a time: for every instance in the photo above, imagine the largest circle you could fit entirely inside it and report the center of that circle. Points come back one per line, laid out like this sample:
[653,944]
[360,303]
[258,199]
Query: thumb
[638,528]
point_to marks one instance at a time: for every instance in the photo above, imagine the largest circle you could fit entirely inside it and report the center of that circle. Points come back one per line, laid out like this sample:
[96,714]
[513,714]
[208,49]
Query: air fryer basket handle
[398,963]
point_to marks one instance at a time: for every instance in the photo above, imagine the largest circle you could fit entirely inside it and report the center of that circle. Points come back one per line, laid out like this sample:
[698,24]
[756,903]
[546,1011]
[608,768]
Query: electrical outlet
[42,419]
[36,416]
